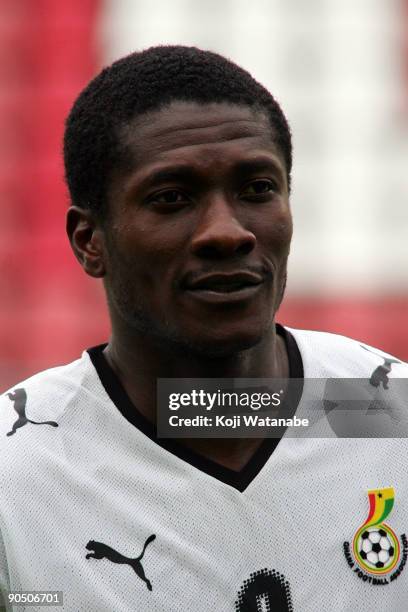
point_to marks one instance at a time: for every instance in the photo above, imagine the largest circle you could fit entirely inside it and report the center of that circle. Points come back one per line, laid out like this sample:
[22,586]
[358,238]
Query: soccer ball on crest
[376,548]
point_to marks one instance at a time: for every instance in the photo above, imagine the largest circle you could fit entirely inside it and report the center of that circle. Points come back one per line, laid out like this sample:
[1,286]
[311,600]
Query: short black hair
[146,81]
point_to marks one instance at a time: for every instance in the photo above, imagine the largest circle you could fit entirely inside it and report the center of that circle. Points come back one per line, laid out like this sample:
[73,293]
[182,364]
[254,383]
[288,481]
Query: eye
[259,187]
[168,198]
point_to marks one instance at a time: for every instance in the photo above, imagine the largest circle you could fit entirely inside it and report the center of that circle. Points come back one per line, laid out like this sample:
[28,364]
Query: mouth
[226,287]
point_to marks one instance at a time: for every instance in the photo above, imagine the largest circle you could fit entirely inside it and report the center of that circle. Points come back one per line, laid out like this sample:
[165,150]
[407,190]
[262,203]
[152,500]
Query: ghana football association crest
[376,554]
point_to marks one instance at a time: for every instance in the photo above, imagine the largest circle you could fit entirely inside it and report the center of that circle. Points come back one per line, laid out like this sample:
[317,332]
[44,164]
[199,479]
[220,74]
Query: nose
[220,234]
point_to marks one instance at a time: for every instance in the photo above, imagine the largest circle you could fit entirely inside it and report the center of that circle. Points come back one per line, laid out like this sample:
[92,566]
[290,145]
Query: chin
[220,345]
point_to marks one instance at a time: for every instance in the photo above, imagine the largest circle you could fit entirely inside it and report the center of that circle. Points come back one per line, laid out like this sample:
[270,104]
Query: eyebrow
[173,173]
[185,173]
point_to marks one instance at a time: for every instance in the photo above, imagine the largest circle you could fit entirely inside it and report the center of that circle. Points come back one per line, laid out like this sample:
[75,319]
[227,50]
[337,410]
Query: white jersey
[92,505]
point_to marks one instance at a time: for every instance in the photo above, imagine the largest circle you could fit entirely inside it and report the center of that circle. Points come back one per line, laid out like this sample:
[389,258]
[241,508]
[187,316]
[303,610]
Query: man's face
[199,227]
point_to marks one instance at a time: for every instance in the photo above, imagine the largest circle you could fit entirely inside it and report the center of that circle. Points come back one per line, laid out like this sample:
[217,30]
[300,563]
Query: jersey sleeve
[4,579]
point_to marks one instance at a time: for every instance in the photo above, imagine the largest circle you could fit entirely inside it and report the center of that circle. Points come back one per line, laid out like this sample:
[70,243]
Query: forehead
[188,131]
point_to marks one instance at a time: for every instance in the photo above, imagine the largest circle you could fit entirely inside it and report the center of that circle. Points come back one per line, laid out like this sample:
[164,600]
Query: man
[178,164]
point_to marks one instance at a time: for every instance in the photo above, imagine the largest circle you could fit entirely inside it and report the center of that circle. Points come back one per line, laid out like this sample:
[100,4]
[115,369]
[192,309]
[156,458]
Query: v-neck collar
[237,479]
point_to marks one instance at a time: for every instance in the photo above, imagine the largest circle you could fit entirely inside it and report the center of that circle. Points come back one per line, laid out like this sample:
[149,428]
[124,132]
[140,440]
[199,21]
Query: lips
[226,283]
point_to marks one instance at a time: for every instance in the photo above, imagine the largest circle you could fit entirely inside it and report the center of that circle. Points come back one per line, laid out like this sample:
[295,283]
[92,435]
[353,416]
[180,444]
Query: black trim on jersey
[237,479]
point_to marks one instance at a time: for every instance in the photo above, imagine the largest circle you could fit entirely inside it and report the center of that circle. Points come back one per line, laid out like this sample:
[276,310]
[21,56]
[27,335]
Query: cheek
[276,232]
[145,253]
[283,229]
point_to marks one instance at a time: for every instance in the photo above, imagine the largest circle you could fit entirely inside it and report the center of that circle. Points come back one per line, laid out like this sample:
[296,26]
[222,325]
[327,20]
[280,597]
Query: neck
[139,360]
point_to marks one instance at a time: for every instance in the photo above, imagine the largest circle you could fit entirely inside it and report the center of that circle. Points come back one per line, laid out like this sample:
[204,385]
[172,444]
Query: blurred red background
[49,310]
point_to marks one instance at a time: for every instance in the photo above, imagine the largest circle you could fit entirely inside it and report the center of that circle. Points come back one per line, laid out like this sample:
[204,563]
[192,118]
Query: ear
[87,240]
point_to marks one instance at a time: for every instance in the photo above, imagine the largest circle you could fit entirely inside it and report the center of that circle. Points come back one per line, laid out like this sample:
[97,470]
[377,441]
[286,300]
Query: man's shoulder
[42,397]
[325,354]
[52,379]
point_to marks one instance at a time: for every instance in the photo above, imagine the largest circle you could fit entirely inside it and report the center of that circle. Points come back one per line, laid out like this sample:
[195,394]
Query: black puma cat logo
[19,397]
[103,550]
[380,374]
